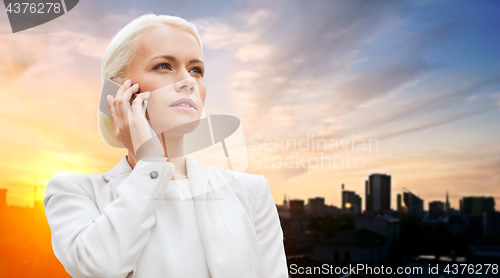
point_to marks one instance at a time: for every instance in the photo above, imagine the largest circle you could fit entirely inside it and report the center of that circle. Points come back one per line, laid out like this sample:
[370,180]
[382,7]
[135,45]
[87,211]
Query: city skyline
[445,201]
[37,196]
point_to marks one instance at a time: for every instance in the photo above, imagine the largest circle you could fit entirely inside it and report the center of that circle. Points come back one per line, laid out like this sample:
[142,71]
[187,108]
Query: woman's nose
[187,84]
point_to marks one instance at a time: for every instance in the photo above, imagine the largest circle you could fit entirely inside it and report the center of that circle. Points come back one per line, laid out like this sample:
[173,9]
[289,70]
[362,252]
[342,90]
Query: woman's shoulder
[252,184]
[83,184]
[86,183]
[240,178]
[78,180]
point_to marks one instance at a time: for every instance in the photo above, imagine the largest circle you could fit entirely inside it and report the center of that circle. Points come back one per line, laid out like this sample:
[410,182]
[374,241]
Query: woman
[159,213]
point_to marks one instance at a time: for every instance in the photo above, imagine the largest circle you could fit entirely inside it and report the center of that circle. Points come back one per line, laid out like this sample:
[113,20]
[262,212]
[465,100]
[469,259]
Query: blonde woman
[145,217]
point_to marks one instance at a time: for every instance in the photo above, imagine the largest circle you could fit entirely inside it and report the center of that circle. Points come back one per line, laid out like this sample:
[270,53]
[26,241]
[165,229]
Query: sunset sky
[422,78]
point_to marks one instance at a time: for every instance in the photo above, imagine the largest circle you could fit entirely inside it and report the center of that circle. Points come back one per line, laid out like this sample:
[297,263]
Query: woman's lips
[183,108]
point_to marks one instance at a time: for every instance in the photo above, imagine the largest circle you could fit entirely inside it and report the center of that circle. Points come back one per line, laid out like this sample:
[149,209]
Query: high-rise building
[412,202]
[351,202]
[436,209]
[316,207]
[477,205]
[296,207]
[437,206]
[378,193]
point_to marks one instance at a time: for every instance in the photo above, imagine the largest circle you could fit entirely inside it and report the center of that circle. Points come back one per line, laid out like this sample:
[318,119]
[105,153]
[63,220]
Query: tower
[378,193]
[447,205]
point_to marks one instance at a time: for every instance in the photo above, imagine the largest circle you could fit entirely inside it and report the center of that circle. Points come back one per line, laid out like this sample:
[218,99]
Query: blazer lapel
[205,178]
[198,175]
[227,232]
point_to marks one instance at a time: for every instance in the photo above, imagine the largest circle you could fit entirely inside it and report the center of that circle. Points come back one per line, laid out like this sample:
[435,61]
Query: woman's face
[169,64]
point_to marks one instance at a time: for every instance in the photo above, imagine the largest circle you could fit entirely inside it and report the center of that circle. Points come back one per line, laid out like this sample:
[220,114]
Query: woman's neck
[173,147]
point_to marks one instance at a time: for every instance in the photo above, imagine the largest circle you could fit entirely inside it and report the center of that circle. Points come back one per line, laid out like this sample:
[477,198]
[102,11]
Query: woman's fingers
[127,94]
[122,88]
[141,134]
[132,127]
[124,101]
[137,104]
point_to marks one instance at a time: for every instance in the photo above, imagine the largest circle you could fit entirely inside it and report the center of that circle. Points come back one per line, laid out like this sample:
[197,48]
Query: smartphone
[110,87]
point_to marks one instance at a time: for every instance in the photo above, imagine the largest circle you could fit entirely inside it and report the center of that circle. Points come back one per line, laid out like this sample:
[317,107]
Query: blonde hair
[121,51]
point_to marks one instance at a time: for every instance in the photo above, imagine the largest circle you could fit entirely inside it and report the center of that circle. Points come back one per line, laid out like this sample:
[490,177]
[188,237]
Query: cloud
[496,97]
[419,126]
[296,59]
[260,16]
[367,87]
[254,52]
[219,35]
[433,104]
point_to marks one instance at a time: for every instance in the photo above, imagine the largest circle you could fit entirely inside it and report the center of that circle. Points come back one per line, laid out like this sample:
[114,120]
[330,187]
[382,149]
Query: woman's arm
[91,244]
[269,233]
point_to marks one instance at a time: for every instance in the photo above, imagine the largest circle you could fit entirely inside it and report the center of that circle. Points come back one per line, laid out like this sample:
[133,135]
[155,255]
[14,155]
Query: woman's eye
[162,66]
[199,70]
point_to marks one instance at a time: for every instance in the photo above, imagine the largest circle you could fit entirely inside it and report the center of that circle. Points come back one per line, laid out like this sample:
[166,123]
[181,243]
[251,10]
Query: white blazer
[100,223]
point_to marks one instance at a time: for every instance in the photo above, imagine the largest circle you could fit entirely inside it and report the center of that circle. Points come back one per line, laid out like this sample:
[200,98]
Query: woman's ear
[117,79]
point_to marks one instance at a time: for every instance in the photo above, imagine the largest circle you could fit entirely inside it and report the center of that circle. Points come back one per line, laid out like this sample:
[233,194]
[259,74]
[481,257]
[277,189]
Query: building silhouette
[413,203]
[351,202]
[436,209]
[316,207]
[447,204]
[378,193]
[296,207]
[477,205]
[283,209]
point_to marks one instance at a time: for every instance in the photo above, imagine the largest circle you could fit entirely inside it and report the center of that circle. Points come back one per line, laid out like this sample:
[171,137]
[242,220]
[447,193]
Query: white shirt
[175,217]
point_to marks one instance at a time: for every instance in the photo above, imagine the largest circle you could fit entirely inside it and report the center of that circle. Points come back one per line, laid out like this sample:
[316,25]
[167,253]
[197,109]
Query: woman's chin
[181,125]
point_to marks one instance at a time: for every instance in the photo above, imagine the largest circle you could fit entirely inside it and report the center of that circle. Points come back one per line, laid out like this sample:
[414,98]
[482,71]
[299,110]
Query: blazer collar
[197,174]
[122,167]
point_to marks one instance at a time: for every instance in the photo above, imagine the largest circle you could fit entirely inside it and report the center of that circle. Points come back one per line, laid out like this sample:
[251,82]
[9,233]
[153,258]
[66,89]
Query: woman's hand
[132,128]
